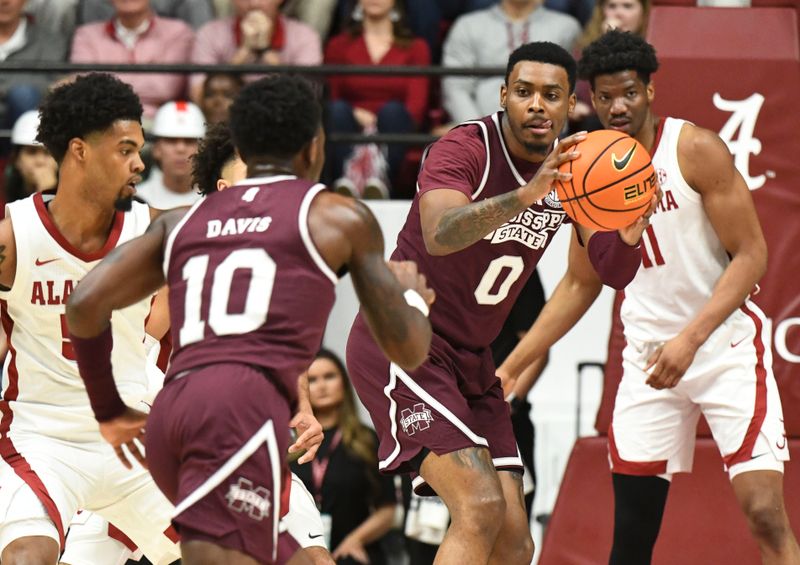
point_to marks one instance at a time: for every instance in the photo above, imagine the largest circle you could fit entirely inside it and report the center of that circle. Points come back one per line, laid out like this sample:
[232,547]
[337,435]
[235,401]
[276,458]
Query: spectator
[22,40]
[257,34]
[356,501]
[56,17]
[136,35]
[485,39]
[196,13]
[316,13]
[219,90]
[377,34]
[31,168]
[178,127]
[624,15]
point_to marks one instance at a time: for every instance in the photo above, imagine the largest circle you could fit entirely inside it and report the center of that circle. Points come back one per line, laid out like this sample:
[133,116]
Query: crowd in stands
[455,33]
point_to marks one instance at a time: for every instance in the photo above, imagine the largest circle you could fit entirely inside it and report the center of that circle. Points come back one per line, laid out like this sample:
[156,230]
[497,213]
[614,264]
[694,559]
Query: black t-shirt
[523,314]
[351,491]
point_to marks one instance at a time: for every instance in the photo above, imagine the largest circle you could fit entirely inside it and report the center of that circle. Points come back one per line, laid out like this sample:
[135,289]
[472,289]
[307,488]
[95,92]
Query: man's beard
[124,203]
[538,148]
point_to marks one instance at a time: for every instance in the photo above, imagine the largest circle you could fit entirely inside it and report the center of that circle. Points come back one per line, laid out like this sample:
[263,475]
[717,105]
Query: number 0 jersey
[682,257]
[246,282]
[42,390]
[476,287]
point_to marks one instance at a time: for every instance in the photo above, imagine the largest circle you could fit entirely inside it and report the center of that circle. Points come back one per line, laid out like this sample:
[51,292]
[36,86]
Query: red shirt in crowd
[370,91]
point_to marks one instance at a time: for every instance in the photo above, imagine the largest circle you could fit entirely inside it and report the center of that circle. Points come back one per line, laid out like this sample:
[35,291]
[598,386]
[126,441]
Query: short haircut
[544,52]
[89,104]
[215,151]
[275,116]
[617,51]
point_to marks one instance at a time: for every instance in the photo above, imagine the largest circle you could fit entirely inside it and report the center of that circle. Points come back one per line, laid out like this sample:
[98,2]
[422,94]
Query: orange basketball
[612,181]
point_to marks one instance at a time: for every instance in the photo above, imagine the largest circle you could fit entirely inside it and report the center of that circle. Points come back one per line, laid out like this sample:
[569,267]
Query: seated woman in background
[376,34]
[357,504]
[30,167]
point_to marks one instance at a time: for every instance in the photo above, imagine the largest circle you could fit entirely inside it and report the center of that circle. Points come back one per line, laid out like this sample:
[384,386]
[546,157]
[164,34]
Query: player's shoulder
[338,210]
[465,140]
[696,142]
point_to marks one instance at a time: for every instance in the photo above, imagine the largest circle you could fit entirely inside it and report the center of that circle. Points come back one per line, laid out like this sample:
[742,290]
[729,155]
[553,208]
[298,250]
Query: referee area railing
[317,71]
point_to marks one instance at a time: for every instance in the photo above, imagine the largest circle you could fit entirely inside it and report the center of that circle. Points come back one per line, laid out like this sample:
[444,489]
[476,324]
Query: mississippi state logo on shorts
[417,419]
[243,497]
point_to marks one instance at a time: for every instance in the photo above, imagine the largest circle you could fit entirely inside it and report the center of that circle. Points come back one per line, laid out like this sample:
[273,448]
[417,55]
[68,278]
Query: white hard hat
[25,129]
[179,119]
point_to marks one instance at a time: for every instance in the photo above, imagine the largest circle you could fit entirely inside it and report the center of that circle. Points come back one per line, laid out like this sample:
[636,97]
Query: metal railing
[310,71]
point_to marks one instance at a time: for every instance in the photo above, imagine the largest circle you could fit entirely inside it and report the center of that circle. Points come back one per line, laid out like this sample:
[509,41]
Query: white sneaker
[375,189]
[346,187]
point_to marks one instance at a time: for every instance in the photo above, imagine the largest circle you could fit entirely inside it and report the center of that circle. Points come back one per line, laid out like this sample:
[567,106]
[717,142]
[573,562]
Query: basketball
[612,181]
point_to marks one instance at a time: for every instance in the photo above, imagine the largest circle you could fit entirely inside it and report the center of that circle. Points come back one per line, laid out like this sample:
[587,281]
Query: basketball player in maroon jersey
[694,339]
[251,272]
[484,213]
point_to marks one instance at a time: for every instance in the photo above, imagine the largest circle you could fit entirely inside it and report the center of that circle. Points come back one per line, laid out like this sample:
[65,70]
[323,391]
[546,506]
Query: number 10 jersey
[246,282]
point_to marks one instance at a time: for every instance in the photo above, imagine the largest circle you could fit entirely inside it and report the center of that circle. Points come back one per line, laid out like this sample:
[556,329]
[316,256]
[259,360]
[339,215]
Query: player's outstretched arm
[574,294]
[451,222]
[393,296]
[707,166]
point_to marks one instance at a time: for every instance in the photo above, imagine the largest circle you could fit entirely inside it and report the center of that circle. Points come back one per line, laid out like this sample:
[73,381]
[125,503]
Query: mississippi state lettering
[531,228]
[53,298]
[235,226]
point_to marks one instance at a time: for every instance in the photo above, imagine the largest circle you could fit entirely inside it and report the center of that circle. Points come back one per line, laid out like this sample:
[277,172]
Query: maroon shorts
[216,440]
[451,402]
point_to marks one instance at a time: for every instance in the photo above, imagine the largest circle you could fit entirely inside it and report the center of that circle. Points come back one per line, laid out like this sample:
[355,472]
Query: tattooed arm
[347,234]
[451,222]
[8,255]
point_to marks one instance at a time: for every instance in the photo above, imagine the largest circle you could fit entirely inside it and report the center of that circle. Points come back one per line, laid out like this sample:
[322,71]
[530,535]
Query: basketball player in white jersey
[54,460]
[695,342]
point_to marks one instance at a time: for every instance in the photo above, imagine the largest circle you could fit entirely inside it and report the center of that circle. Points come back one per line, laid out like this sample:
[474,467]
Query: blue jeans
[392,118]
[20,99]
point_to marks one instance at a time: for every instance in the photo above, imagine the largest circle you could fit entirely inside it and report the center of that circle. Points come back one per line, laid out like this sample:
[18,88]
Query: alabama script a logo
[743,118]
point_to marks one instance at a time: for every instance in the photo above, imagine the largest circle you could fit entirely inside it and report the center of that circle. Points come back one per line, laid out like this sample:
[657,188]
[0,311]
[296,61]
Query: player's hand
[126,429]
[309,436]
[633,233]
[507,382]
[409,277]
[669,363]
[542,182]
[351,547]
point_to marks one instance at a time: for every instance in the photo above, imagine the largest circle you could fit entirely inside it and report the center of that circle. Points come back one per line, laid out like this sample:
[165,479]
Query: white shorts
[303,521]
[45,481]
[92,541]
[730,382]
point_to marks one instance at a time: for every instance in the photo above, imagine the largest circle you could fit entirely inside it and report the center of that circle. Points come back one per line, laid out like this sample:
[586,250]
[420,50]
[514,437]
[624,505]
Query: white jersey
[42,390]
[682,256]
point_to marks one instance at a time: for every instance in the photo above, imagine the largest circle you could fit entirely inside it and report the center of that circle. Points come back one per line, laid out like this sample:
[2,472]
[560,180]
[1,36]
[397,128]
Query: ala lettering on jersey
[51,293]
[666,203]
[235,226]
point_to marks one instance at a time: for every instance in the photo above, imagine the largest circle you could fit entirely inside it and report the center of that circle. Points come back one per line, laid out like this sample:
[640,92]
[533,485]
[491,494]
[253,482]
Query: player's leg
[740,401]
[92,540]
[651,436]
[304,523]
[514,544]
[40,493]
[467,482]
[760,494]
[638,509]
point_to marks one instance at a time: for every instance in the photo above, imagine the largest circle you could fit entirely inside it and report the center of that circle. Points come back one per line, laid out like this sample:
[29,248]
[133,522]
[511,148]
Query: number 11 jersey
[246,282]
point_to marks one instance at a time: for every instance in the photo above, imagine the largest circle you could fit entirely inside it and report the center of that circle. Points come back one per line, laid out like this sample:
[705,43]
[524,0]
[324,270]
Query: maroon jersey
[476,287]
[246,283]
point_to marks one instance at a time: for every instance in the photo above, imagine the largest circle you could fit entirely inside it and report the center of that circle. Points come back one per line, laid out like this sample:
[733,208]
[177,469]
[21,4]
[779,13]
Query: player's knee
[767,518]
[481,511]
[30,551]
[518,551]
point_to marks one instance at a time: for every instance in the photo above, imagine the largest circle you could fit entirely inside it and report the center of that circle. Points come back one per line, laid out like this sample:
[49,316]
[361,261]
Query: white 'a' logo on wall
[743,118]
